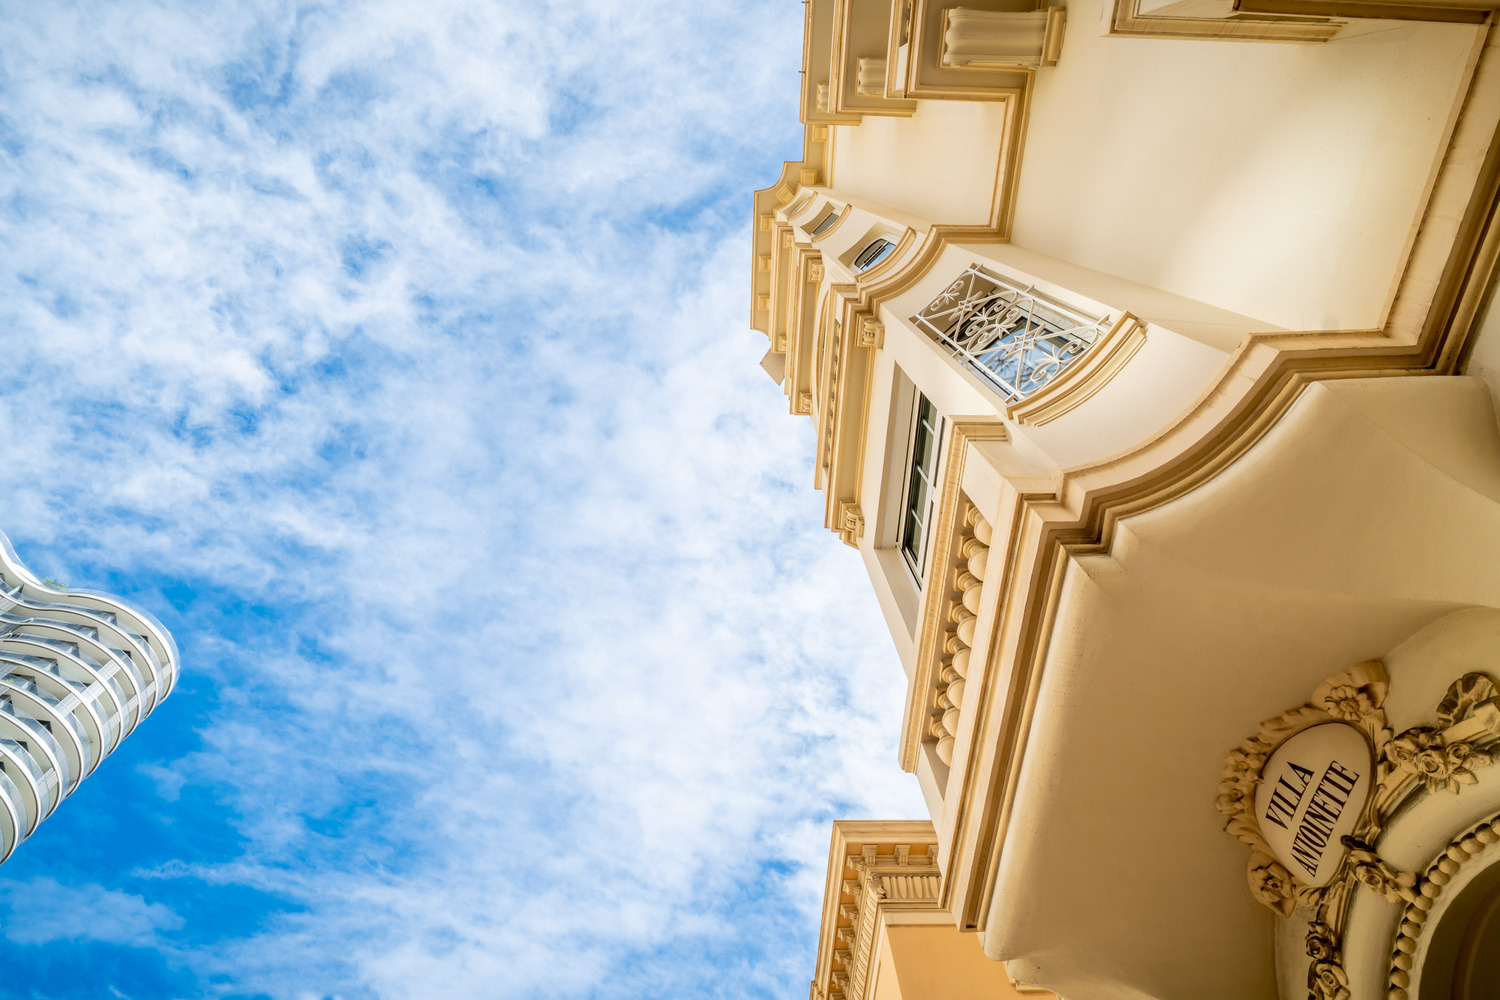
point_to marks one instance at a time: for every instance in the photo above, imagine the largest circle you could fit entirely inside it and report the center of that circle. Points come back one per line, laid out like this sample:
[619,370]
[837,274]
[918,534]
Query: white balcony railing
[1015,338]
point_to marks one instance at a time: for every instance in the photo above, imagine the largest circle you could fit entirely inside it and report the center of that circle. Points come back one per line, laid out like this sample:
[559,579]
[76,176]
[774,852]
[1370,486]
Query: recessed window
[920,497]
[825,223]
[875,252]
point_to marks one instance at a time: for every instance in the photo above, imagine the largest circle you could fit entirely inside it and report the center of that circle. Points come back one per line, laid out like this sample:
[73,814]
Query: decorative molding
[1355,696]
[891,262]
[873,867]
[1125,20]
[851,526]
[948,621]
[1429,888]
[1079,382]
[1052,40]
[856,70]
[973,552]
[922,72]
[1001,39]
[804,401]
[870,79]
[830,385]
[871,332]
[1385,10]
[1435,298]
[1435,304]
[843,216]
[788,240]
[1422,760]
[815,271]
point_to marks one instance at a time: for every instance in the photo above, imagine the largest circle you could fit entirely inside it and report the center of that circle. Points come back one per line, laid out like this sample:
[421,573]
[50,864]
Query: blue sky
[394,355]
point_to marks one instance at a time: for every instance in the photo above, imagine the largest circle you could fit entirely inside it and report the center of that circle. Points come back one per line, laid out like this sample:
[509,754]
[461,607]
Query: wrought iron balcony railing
[1015,338]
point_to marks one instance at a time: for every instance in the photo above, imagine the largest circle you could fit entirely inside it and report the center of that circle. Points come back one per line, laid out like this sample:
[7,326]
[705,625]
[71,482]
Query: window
[875,252]
[921,492]
[1011,335]
[825,223]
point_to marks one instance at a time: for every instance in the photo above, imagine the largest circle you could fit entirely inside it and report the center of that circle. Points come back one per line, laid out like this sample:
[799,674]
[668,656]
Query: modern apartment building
[1151,353]
[78,672]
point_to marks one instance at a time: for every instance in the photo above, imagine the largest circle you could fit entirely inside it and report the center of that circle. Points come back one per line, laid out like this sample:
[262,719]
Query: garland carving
[1422,760]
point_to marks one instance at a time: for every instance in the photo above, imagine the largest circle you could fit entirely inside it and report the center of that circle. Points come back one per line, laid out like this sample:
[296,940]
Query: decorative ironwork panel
[1015,338]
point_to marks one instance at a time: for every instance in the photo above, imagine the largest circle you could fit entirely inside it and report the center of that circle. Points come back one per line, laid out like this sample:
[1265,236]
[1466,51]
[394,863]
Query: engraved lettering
[1323,810]
[1288,795]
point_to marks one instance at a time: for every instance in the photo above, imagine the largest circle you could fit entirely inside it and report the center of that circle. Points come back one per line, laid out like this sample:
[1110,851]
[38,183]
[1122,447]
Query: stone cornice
[873,866]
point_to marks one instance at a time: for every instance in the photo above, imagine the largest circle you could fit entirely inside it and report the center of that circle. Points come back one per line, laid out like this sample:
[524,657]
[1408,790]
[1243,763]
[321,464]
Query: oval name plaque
[1312,792]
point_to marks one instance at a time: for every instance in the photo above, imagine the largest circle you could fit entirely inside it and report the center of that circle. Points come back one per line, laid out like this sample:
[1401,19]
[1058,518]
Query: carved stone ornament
[1427,888]
[851,522]
[1301,794]
[1353,699]
[905,880]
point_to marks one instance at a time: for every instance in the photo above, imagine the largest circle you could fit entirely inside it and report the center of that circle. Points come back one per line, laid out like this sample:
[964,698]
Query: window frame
[825,223]
[916,561]
[882,247]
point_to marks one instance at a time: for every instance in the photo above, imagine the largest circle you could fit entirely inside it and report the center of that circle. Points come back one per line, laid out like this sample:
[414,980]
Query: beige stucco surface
[913,164]
[1278,181]
[1353,524]
[936,962]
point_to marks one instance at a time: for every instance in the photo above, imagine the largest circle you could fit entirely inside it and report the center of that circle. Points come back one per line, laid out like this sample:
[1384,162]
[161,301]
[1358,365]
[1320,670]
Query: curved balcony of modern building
[70,699]
[113,665]
[79,670]
[145,631]
[44,750]
[39,796]
[137,647]
[12,815]
[41,707]
[94,682]
[155,678]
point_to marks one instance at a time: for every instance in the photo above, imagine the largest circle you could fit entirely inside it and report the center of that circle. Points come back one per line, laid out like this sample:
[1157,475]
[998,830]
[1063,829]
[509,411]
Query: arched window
[877,251]
[825,223]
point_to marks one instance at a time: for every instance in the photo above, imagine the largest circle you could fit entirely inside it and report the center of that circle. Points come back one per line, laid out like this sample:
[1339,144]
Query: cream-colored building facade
[1152,358]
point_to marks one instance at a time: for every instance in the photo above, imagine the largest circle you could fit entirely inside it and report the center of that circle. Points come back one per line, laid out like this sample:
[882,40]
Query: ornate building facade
[78,672]
[1150,350]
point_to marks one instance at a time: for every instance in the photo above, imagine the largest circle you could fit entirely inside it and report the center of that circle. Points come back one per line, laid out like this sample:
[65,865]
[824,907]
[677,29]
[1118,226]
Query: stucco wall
[1281,181]
[941,163]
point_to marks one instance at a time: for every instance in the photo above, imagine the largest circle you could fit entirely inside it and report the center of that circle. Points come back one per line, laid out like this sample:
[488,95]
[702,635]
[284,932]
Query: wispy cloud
[395,353]
[41,910]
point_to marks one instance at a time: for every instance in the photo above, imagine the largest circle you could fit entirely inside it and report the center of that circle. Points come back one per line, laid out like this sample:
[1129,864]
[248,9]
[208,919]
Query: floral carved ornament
[1431,759]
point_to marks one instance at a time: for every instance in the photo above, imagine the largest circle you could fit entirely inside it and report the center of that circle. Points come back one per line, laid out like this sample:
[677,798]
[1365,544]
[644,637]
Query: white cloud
[558,680]
[40,910]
